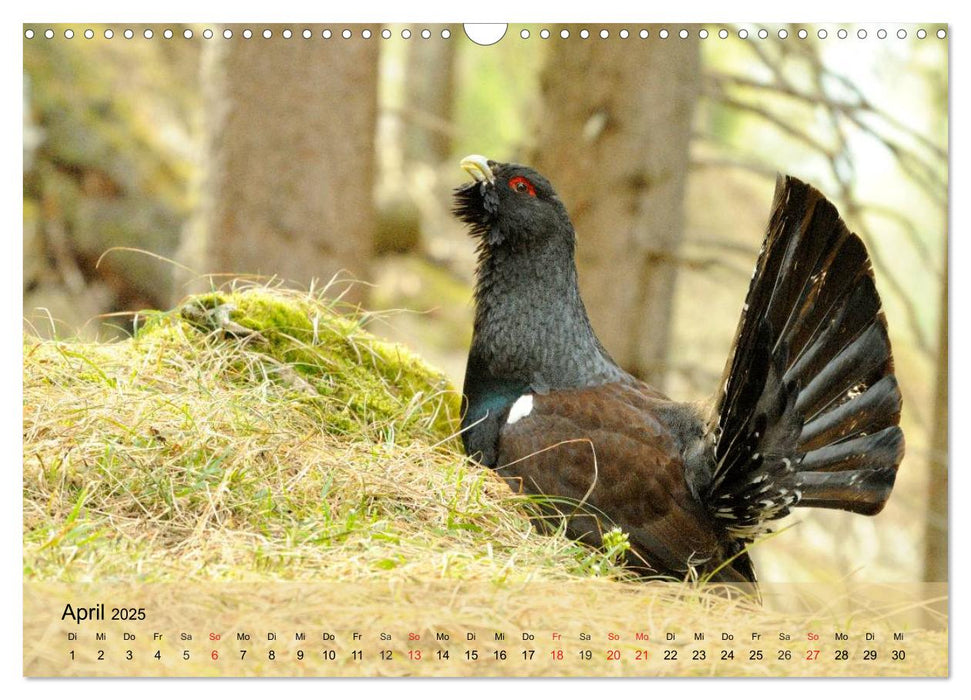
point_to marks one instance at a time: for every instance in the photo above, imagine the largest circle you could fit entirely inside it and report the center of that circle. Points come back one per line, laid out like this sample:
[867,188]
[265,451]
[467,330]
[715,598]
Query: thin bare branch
[777,121]
[701,163]
[848,109]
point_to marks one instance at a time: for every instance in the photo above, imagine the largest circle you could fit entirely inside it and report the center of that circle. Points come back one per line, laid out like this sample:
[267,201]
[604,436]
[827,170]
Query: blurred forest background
[321,160]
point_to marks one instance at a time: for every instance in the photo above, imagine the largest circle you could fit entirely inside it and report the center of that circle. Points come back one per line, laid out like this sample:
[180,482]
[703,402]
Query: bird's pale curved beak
[478,168]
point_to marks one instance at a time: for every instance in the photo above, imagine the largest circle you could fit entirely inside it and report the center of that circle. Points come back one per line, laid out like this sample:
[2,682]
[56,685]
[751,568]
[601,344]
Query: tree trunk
[935,536]
[614,139]
[429,96]
[289,167]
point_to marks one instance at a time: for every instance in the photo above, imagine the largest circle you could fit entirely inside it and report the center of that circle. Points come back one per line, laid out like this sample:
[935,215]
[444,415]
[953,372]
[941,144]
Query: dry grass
[255,436]
[310,451]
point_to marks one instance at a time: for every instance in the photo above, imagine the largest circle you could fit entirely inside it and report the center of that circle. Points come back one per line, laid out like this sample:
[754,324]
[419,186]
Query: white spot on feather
[522,408]
[594,126]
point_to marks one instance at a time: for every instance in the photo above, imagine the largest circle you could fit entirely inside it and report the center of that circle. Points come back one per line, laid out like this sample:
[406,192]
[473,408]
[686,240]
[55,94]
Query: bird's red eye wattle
[522,185]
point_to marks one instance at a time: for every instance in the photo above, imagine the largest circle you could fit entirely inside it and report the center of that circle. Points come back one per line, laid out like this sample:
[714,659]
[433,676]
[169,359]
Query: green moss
[259,434]
[358,380]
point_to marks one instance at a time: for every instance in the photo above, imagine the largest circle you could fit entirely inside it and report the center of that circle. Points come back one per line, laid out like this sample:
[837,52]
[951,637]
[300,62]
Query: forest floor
[256,436]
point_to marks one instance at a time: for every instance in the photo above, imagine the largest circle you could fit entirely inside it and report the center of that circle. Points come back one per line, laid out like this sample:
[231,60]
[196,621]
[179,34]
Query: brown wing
[611,449]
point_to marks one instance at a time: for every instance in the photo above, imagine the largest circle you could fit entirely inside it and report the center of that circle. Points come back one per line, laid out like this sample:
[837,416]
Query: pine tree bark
[613,138]
[289,164]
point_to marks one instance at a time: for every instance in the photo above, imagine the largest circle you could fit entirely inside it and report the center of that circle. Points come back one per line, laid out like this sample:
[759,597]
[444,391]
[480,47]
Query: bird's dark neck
[531,335]
[531,330]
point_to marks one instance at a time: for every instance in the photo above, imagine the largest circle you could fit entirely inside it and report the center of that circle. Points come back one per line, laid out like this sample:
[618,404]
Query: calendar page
[506,350]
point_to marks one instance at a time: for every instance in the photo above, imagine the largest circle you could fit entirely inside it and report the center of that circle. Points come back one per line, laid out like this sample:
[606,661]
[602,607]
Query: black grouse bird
[806,415]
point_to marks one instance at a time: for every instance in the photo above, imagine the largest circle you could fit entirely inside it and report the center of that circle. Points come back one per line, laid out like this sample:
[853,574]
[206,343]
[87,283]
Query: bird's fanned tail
[809,407]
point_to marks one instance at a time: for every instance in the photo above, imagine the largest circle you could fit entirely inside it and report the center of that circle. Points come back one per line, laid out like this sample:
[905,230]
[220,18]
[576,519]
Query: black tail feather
[874,409]
[855,367]
[810,408]
[858,491]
